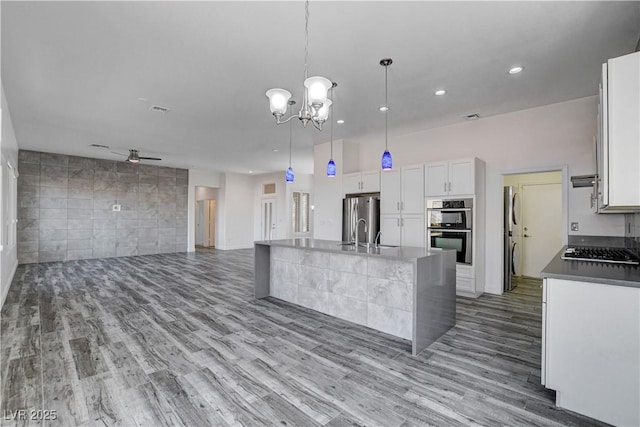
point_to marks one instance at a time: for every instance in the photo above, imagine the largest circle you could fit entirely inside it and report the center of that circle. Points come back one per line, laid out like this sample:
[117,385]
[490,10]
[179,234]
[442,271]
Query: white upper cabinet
[370,181]
[620,133]
[452,178]
[351,183]
[402,191]
[361,182]
[436,178]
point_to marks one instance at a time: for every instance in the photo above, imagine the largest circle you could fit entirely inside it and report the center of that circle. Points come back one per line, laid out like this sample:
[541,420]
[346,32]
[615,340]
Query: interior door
[200,222]
[541,206]
[268,221]
[210,232]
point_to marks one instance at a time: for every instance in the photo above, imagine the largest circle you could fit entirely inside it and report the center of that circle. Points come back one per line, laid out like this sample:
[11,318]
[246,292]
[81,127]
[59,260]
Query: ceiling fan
[134,157]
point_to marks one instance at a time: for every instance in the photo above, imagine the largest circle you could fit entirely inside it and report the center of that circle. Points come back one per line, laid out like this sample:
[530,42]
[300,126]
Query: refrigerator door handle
[513,209]
[513,262]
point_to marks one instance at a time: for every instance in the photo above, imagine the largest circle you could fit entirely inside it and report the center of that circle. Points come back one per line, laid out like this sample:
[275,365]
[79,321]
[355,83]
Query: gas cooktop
[596,254]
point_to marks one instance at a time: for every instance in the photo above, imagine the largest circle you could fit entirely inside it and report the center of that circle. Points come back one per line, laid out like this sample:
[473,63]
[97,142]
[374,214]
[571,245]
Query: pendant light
[314,106]
[289,175]
[331,166]
[387,162]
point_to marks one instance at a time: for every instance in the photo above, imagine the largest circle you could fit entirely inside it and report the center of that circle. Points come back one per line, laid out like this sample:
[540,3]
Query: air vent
[159,109]
[474,116]
[99,146]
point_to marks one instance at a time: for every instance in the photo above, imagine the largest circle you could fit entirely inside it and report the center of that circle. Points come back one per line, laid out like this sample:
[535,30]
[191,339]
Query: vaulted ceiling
[82,73]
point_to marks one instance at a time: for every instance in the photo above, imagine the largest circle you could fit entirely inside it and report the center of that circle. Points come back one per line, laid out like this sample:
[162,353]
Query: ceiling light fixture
[275,150]
[315,105]
[440,92]
[387,162]
[289,175]
[516,70]
[340,122]
[331,166]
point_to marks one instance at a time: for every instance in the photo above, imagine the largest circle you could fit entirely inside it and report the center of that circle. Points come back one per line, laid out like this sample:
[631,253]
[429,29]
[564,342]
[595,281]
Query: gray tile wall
[65,208]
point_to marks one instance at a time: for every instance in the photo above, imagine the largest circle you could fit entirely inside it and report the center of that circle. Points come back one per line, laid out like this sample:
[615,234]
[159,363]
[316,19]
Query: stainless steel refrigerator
[510,236]
[365,206]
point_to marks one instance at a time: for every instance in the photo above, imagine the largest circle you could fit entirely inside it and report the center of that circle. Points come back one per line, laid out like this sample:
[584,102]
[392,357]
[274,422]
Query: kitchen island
[407,292]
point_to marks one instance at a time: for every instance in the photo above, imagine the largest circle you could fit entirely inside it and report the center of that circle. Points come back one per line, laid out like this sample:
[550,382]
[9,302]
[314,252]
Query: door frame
[274,214]
[564,169]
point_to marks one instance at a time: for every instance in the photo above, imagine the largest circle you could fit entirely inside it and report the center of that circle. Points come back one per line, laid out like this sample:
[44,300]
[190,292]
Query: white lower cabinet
[465,280]
[591,349]
[402,230]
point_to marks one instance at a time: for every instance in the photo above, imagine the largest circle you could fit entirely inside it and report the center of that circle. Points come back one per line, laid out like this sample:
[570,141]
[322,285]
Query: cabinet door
[461,177]
[370,181]
[435,179]
[624,132]
[414,230]
[390,192]
[351,183]
[412,201]
[390,228]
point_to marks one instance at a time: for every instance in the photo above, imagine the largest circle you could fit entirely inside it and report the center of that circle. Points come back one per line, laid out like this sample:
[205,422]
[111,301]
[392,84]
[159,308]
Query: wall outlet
[116,208]
[575,226]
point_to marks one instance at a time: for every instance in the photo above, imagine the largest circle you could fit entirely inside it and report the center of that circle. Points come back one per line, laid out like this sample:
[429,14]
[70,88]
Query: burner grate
[596,254]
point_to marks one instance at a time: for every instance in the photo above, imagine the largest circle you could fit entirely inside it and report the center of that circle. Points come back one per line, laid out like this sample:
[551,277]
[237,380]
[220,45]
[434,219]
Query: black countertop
[596,272]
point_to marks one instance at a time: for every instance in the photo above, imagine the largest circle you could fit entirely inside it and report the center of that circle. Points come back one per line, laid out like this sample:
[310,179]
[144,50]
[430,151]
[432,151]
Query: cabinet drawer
[466,284]
[464,270]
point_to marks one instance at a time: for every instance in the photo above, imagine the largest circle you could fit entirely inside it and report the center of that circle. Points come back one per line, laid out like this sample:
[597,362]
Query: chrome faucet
[377,241]
[357,226]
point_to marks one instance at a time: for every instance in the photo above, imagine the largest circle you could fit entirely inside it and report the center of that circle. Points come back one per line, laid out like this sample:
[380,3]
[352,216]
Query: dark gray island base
[405,291]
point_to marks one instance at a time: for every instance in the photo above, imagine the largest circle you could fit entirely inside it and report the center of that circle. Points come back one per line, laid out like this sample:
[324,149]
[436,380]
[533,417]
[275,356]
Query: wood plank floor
[177,339]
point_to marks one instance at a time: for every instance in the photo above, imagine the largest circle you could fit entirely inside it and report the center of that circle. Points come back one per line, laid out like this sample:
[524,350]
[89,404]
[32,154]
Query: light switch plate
[575,226]
[116,208]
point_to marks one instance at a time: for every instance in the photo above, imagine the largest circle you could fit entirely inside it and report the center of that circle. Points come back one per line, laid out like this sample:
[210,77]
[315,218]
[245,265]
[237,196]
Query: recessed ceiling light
[340,121]
[250,171]
[440,92]
[275,150]
[384,108]
[515,70]
[142,99]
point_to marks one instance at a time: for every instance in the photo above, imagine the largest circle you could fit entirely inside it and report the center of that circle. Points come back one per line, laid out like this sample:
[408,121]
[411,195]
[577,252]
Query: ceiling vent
[474,116]
[99,146]
[159,109]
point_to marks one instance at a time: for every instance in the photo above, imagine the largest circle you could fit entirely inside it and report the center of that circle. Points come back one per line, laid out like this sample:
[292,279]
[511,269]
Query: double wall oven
[450,226]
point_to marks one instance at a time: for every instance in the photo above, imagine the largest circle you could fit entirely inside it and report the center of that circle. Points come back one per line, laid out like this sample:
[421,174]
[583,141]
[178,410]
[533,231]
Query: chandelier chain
[306,37]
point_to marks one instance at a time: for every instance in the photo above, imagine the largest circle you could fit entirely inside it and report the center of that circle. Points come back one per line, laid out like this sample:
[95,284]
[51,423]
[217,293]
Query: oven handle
[450,230]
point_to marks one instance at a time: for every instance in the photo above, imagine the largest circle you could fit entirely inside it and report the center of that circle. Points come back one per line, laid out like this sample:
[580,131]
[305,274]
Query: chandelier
[315,103]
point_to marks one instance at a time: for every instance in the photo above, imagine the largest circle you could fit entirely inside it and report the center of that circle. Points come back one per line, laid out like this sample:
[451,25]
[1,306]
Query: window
[269,188]
[300,212]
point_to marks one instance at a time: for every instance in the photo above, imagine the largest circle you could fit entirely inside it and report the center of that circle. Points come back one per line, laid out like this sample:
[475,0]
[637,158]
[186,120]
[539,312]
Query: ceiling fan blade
[149,158]
[119,154]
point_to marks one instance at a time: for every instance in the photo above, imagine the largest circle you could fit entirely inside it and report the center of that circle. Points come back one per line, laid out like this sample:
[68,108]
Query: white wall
[200,179]
[327,192]
[8,153]
[235,212]
[549,136]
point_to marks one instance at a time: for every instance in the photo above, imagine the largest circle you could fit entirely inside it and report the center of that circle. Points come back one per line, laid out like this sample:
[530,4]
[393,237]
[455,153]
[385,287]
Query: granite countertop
[596,272]
[400,252]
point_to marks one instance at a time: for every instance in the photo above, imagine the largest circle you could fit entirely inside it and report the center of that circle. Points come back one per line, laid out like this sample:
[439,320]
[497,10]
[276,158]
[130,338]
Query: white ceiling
[73,72]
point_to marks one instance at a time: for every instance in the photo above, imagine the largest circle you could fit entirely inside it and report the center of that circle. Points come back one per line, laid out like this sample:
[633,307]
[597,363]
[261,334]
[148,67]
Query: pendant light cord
[331,118]
[290,145]
[386,104]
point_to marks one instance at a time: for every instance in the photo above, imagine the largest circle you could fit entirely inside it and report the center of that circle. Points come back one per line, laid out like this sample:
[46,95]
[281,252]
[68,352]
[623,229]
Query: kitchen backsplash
[632,232]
